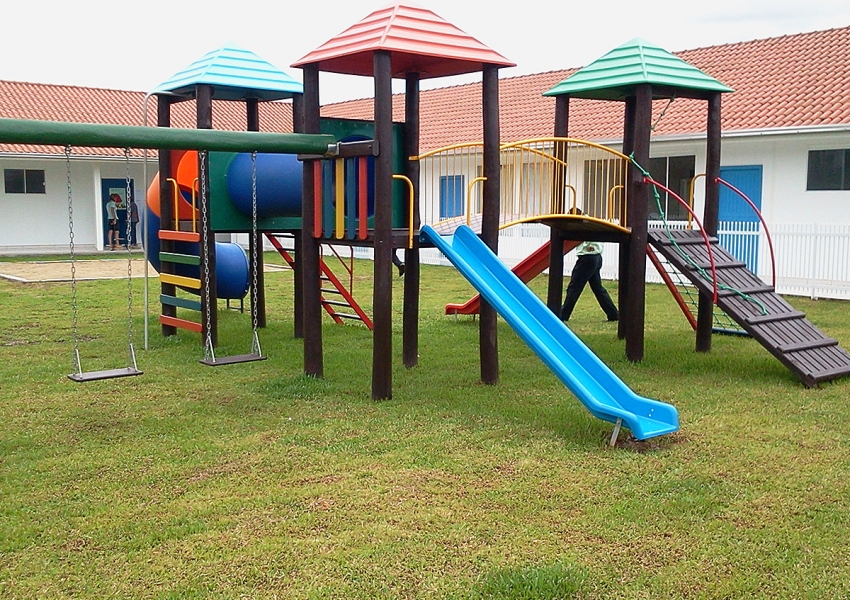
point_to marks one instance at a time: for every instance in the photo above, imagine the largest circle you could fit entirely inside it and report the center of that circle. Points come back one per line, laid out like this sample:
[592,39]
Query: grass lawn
[254,481]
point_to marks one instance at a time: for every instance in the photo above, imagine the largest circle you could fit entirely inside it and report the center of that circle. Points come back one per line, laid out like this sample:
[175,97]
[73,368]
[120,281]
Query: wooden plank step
[722,265]
[180,302]
[181,323]
[107,374]
[806,345]
[179,236]
[183,259]
[765,289]
[762,319]
[189,282]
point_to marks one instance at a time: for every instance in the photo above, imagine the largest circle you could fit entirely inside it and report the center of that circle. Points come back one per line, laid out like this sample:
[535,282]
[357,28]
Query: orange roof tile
[42,102]
[784,82]
[419,42]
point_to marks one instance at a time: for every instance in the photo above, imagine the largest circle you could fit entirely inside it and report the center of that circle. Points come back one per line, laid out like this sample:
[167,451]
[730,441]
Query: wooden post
[624,284]
[252,110]
[554,294]
[298,284]
[209,305]
[166,211]
[308,253]
[487,332]
[705,309]
[637,216]
[410,317]
[382,296]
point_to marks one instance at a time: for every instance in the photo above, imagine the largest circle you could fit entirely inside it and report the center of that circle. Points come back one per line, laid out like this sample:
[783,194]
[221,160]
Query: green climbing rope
[684,254]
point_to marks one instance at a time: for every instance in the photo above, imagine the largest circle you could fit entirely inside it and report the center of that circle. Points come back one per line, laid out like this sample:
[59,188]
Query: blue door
[107,188]
[739,224]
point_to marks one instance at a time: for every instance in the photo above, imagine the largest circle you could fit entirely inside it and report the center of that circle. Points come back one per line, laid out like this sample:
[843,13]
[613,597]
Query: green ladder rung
[180,302]
[183,259]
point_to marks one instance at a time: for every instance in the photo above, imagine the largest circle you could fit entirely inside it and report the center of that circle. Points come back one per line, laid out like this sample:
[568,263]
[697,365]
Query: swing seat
[232,360]
[108,374]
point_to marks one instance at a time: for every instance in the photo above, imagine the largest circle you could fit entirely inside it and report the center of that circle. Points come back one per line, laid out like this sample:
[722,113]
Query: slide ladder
[336,298]
[180,281]
[755,306]
[592,381]
[527,269]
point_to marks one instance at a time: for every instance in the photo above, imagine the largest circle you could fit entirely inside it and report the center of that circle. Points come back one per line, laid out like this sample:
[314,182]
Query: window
[24,181]
[675,173]
[451,196]
[828,170]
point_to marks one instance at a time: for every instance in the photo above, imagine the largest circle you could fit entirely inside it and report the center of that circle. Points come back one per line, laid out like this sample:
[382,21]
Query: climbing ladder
[687,296]
[755,306]
[342,305]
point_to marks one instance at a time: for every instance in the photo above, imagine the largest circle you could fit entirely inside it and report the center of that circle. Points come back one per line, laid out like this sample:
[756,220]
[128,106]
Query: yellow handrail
[176,194]
[194,206]
[469,199]
[611,201]
[409,206]
[691,198]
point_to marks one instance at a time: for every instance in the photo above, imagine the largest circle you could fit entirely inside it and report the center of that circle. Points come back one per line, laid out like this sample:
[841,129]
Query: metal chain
[76,366]
[128,196]
[209,353]
[255,241]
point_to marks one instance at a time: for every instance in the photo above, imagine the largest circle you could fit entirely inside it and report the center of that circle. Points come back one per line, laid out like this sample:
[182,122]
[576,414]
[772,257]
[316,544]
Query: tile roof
[791,81]
[783,82]
[42,102]
[418,41]
[615,75]
[237,74]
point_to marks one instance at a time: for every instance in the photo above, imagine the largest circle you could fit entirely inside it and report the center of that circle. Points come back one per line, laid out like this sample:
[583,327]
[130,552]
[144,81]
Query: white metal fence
[811,260]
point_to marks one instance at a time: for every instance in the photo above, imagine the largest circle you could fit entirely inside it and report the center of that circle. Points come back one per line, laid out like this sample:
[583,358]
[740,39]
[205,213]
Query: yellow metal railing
[540,177]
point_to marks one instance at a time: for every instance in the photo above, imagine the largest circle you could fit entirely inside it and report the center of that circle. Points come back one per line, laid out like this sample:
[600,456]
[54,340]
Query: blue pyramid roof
[236,74]
[615,75]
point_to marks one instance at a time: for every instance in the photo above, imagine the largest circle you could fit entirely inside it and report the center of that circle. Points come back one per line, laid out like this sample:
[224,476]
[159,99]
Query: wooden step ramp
[765,315]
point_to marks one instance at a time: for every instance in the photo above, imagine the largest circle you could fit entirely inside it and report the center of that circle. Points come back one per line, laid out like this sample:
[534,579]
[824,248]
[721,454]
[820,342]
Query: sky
[138,45]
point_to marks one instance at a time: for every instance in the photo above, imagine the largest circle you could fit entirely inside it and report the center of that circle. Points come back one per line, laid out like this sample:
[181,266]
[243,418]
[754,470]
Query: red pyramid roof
[419,41]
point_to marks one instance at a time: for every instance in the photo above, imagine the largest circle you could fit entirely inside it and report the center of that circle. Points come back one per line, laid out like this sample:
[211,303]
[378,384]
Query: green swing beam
[56,133]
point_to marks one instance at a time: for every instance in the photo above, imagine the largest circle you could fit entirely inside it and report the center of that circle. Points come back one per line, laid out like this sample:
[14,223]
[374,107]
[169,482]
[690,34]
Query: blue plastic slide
[593,383]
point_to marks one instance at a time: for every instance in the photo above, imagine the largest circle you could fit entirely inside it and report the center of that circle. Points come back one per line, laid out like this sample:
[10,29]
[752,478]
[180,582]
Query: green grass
[255,481]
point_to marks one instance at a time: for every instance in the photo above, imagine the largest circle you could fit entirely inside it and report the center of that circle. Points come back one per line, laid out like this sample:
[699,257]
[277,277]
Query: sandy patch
[107,268]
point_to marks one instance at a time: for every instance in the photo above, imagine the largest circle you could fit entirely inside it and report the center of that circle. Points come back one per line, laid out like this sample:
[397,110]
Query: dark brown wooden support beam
[487,332]
[298,283]
[252,114]
[623,255]
[410,316]
[308,252]
[705,308]
[554,293]
[209,294]
[166,211]
[382,296]
[637,217]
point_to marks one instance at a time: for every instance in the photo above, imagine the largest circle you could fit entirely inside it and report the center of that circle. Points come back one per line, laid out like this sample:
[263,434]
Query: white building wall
[39,223]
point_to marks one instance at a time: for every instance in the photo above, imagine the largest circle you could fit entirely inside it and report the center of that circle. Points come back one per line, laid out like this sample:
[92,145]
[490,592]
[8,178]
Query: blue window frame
[451,196]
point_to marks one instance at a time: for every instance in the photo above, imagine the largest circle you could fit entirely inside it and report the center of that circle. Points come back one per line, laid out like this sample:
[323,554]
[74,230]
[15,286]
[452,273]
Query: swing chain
[127,195]
[77,367]
[255,241]
[209,352]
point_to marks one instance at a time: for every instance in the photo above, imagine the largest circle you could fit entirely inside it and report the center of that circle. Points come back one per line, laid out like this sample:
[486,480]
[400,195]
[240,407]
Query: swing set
[123,136]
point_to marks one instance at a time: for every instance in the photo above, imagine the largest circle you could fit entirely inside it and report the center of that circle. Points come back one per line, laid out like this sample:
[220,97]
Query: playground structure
[366,184]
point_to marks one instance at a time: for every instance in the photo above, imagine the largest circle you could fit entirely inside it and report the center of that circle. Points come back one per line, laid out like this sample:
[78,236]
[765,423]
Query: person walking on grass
[586,270]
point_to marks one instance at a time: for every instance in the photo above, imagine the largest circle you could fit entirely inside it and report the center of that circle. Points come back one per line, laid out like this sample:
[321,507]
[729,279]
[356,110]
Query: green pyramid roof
[236,74]
[615,75]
